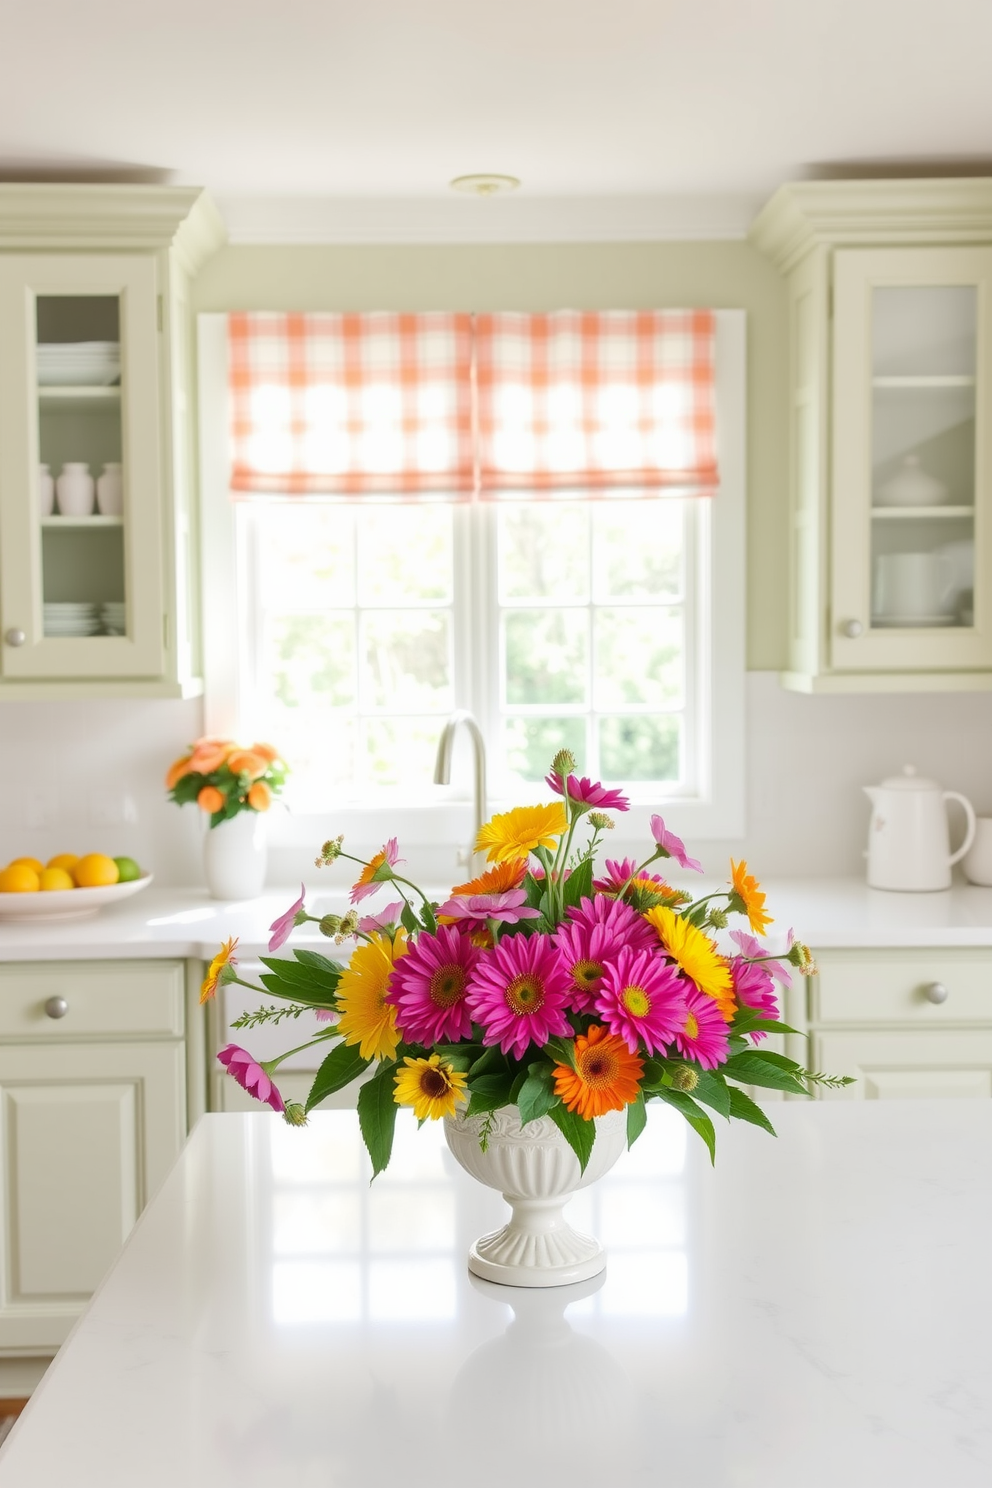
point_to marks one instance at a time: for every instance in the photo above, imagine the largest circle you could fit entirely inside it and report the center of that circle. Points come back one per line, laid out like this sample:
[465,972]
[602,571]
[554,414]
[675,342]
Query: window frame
[715,811]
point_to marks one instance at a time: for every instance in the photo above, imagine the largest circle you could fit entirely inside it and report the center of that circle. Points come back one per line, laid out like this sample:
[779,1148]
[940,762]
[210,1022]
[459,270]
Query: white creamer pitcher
[908,841]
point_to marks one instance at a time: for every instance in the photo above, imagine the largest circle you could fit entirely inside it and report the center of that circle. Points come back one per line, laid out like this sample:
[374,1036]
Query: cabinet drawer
[104,998]
[936,1064]
[891,985]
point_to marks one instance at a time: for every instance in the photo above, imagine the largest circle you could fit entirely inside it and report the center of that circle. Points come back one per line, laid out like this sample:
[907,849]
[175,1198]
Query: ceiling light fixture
[484,185]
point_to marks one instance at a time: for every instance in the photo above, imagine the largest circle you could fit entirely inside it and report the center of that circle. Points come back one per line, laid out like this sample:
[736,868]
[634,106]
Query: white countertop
[812,1312]
[185,922]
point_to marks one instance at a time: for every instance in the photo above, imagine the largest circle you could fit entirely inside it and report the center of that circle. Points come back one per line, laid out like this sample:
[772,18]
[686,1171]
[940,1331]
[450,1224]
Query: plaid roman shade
[351,404]
[495,405]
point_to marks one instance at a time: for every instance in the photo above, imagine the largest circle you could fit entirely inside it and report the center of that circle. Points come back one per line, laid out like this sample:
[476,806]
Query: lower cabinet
[93,1113]
[914,1023]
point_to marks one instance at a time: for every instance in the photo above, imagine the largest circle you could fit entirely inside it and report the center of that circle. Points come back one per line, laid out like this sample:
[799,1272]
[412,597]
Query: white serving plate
[66,904]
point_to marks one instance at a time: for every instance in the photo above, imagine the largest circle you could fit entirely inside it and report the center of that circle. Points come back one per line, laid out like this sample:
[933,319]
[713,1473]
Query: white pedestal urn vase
[234,857]
[537,1172]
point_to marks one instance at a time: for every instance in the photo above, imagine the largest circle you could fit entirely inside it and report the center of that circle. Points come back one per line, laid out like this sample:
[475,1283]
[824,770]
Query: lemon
[95,871]
[18,879]
[128,869]
[26,863]
[55,878]
[67,861]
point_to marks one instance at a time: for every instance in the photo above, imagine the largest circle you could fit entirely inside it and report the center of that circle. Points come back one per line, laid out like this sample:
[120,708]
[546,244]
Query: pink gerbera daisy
[672,846]
[508,907]
[703,1035]
[428,987]
[519,992]
[251,1075]
[587,793]
[754,950]
[626,922]
[754,988]
[642,1000]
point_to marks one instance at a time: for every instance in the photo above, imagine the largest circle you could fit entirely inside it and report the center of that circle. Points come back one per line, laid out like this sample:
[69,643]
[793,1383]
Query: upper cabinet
[98,590]
[890,293]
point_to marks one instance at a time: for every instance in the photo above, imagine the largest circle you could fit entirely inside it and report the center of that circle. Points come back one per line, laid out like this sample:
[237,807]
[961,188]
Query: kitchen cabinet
[890,487]
[93,1113]
[903,1022]
[98,590]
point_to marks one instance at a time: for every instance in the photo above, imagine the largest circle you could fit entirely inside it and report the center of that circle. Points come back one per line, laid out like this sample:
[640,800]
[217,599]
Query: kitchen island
[811,1312]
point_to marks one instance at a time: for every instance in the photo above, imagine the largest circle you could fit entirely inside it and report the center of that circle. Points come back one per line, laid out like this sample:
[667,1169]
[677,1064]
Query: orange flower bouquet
[224,778]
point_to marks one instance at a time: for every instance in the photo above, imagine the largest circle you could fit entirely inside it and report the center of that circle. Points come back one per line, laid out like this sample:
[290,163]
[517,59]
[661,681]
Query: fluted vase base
[537,1248]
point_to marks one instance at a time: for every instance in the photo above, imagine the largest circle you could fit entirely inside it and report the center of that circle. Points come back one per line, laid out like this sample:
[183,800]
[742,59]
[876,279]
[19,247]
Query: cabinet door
[933,1064]
[911,483]
[87,1133]
[81,582]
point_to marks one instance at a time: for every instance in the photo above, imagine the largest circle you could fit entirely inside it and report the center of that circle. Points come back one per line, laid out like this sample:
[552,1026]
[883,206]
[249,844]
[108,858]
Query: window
[589,623]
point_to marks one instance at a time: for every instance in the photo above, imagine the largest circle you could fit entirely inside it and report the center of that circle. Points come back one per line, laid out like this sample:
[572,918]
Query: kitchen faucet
[442,767]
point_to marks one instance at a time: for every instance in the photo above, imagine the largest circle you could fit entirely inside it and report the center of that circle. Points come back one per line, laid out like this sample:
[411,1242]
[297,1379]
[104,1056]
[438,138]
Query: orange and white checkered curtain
[353,404]
[450,405]
[593,401]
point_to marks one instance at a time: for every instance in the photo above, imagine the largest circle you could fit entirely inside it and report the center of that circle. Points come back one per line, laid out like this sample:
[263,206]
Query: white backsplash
[87,776]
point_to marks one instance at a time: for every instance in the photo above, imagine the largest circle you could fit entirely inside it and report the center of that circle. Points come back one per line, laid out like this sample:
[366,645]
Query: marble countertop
[184,922]
[812,1311]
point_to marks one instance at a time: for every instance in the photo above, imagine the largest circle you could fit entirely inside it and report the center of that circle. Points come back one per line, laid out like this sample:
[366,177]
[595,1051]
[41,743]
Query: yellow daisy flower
[752,900]
[696,954]
[430,1086]
[366,1018]
[514,834]
[224,957]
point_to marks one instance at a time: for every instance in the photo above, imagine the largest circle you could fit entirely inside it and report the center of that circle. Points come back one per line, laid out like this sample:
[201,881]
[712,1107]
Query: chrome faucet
[442,767]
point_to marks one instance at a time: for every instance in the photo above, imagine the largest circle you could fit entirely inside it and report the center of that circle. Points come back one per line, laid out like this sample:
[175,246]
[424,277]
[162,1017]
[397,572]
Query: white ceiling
[677,111]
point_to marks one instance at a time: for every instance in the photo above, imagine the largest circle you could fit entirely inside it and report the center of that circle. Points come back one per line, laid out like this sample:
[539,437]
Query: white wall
[80,777]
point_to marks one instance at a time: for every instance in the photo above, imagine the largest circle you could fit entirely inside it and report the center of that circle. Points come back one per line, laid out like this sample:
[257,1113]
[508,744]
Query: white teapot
[908,842]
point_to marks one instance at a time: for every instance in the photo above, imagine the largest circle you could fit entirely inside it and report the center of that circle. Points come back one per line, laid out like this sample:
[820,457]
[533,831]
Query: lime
[128,870]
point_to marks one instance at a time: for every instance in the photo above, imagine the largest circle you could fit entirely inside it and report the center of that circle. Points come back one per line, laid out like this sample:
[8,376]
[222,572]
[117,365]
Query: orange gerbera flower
[606,1075]
[177,770]
[224,957]
[751,899]
[210,799]
[247,762]
[260,796]
[508,875]
[209,754]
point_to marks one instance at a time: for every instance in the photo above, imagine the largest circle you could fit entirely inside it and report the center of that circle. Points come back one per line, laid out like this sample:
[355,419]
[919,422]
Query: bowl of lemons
[68,886]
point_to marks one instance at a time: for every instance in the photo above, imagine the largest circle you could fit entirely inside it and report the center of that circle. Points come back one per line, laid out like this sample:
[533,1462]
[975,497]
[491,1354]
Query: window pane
[404,554]
[406,660]
[544,552]
[532,743]
[306,555]
[638,657]
[640,748]
[401,751]
[638,549]
[546,656]
[320,748]
[309,660]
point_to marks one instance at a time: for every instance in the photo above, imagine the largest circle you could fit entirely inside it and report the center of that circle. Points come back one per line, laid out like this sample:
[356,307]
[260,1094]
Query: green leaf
[713,1091]
[429,917]
[308,978]
[562,1051]
[578,1133]
[747,1020]
[578,884]
[544,904]
[697,1119]
[279,987]
[488,1093]
[656,1074]
[637,1119]
[535,891]
[537,1093]
[377,1116]
[342,1065]
[743,1108]
[459,1056]
[409,920]
[320,963]
[757,1069]
[491,1060]
[780,1061]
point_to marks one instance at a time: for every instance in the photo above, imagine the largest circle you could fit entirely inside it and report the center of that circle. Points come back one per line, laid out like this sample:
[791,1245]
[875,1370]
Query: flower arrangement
[545,983]
[224,778]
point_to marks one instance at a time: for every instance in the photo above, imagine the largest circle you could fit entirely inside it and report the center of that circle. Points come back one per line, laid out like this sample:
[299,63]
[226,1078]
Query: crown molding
[87,217]
[499,219]
[806,214]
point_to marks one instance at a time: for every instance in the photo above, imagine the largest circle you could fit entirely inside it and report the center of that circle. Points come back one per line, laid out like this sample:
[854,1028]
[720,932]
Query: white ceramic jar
[110,490]
[74,489]
[46,491]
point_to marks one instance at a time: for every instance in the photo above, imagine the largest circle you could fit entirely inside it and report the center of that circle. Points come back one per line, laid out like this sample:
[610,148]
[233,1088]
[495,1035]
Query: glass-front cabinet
[910,468]
[80,465]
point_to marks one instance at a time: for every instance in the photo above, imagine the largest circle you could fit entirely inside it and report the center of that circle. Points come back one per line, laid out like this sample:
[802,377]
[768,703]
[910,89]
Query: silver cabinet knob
[936,992]
[15,637]
[852,629]
[56,1007]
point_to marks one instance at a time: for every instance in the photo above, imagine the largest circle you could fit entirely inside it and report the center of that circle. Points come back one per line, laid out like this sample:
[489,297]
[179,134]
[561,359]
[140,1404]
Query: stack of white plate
[113,618]
[71,620]
[78,363]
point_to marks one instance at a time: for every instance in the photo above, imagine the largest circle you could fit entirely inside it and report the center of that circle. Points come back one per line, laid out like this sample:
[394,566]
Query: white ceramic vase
[74,489]
[46,491]
[234,857]
[110,490]
[537,1172]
